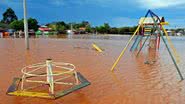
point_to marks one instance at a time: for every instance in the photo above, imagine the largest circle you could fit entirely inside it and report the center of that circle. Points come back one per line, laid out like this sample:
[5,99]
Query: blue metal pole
[172,57]
[138,36]
[142,45]
[137,43]
[131,49]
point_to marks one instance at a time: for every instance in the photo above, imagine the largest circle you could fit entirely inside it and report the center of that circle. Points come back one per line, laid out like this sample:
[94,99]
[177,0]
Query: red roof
[44,29]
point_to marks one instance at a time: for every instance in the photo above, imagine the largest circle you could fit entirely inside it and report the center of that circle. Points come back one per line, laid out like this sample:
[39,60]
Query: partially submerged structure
[48,80]
[3,32]
[43,30]
[151,27]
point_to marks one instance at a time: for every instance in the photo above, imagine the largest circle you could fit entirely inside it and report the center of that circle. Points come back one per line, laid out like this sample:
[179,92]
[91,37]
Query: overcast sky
[116,12]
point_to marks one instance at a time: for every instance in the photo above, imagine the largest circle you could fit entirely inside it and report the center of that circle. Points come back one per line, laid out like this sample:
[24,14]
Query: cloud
[124,21]
[155,4]
[57,2]
[102,3]
[176,22]
[149,4]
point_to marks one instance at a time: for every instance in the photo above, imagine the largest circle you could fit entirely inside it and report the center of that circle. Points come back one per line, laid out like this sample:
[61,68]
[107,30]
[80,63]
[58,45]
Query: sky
[117,13]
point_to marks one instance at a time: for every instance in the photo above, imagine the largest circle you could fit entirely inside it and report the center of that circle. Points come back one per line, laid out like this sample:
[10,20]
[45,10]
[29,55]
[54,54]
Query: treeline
[85,27]
[11,21]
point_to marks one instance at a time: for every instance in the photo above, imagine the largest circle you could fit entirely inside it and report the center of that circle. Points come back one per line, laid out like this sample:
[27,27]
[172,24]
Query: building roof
[45,29]
[82,28]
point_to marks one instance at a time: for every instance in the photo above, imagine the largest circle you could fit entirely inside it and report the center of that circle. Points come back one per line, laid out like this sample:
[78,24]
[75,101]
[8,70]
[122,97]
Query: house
[82,30]
[3,32]
[169,32]
[180,33]
[44,29]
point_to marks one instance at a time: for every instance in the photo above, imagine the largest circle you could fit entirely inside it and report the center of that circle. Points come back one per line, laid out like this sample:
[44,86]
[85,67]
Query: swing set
[151,26]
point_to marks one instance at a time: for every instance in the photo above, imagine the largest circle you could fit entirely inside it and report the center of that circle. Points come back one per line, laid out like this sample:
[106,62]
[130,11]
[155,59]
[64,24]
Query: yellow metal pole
[122,53]
[97,48]
[177,57]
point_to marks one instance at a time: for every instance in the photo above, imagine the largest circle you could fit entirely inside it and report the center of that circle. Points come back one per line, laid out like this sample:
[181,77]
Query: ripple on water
[132,82]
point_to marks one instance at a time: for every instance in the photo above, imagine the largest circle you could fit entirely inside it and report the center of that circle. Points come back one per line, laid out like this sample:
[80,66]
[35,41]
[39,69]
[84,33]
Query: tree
[114,30]
[9,16]
[103,29]
[61,27]
[17,25]
[106,27]
[32,24]
[52,26]
[76,26]
[4,26]
[100,29]
[124,30]
[85,24]
[88,29]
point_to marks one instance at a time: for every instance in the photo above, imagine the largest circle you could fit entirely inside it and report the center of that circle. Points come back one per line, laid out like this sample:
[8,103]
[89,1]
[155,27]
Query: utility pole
[71,28]
[26,26]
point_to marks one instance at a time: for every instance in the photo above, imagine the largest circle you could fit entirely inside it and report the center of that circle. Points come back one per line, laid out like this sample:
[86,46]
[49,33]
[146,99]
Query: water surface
[132,82]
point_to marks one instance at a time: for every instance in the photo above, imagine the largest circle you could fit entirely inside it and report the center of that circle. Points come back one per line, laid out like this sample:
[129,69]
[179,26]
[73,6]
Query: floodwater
[132,82]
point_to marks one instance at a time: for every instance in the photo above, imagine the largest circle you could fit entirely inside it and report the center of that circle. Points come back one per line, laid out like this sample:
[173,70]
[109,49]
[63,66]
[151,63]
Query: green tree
[100,29]
[52,26]
[61,27]
[85,24]
[4,26]
[114,30]
[132,29]
[103,29]
[106,27]
[76,26]
[17,25]
[33,24]
[88,29]
[124,30]
[9,16]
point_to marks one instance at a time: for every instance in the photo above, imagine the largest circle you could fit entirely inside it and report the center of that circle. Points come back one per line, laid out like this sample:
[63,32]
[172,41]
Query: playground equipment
[151,26]
[48,79]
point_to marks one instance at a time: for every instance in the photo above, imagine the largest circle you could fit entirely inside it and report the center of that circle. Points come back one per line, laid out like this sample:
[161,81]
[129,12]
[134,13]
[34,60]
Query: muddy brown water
[132,82]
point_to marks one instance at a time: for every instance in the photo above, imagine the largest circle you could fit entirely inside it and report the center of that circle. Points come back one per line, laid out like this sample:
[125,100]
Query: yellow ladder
[147,31]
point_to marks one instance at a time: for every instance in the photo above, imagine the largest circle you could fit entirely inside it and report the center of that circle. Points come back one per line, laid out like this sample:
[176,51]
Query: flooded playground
[132,82]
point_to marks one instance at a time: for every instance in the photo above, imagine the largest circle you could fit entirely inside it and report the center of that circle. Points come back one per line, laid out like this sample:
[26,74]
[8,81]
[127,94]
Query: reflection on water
[133,81]
[104,37]
[85,36]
